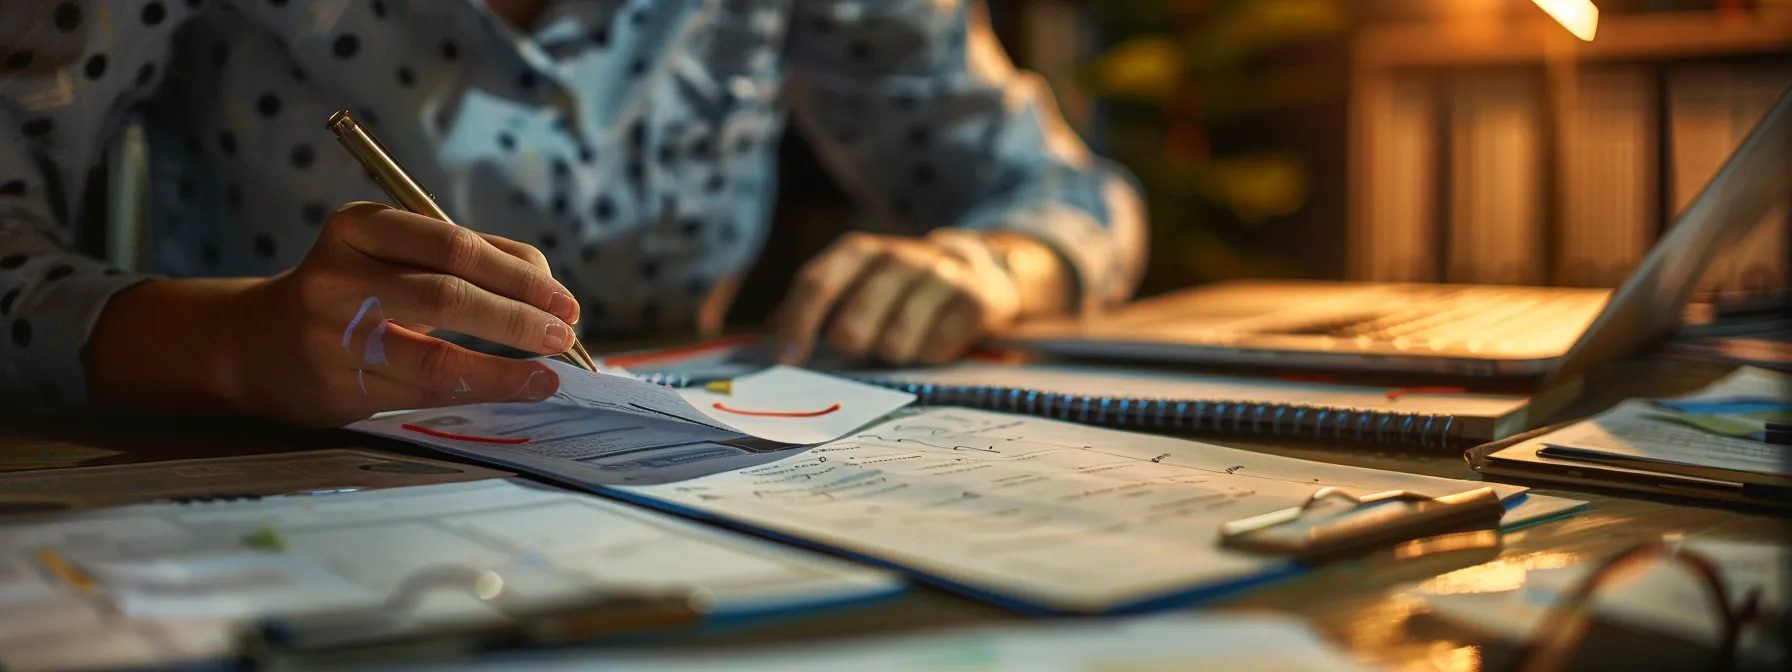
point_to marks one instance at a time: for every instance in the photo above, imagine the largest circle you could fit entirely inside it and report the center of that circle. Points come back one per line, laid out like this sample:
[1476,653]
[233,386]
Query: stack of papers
[1715,434]
[1034,514]
[609,429]
[158,584]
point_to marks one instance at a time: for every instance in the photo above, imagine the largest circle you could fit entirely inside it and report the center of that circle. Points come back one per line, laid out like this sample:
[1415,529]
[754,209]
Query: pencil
[393,178]
[70,574]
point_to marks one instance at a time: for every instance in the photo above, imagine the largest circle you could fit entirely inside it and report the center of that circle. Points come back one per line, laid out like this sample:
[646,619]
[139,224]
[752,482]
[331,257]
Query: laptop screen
[1756,177]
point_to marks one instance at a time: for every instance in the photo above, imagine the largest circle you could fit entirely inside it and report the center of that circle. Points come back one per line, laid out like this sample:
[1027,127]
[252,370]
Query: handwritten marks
[997,501]
[796,406]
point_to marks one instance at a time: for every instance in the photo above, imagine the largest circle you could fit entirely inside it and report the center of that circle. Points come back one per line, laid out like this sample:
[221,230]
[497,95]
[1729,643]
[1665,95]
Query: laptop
[1535,335]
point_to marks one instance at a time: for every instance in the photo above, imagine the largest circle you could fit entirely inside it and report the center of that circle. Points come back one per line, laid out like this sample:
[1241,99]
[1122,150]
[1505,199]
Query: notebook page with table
[1036,514]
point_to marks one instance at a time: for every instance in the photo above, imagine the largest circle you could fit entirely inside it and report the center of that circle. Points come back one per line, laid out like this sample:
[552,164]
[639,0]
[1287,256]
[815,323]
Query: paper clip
[1333,525]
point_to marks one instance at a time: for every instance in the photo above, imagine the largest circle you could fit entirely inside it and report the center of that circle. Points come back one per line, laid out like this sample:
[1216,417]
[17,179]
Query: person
[609,159]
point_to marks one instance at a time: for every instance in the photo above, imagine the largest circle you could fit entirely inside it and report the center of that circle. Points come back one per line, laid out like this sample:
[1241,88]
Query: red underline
[1396,394]
[461,437]
[777,414]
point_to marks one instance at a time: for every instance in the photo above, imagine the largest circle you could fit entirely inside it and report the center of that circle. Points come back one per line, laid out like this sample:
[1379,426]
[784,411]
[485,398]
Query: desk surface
[1354,607]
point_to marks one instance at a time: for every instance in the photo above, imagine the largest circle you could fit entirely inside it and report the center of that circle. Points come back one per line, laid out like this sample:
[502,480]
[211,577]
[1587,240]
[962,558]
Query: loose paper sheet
[781,403]
[1073,517]
[1639,429]
[796,406]
[184,581]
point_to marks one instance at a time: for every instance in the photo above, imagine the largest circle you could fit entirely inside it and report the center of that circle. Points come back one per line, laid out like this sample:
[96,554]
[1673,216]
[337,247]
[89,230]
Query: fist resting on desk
[903,300]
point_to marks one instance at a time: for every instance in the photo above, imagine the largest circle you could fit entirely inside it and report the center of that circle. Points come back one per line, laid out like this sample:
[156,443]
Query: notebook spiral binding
[1323,423]
[1222,417]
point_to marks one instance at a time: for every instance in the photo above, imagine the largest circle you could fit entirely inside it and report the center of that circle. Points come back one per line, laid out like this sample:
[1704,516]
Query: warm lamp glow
[1578,16]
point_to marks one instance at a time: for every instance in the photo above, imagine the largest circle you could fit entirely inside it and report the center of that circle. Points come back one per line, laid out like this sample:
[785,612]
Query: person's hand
[897,299]
[346,333]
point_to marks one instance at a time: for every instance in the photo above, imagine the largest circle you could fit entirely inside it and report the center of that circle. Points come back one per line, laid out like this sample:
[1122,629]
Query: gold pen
[410,196]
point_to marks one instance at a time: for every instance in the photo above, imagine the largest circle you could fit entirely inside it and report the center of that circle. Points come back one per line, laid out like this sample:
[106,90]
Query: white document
[1043,513]
[173,582]
[1233,642]
[793,405]
[611,429]
[614,389]
[781,403]
[591,446]
[1747,381]
[1637,429]
[1640,429]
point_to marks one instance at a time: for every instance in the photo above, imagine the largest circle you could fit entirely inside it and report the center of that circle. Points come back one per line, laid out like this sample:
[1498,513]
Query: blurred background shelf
[1489,144]
[1402,140]
[1652,36]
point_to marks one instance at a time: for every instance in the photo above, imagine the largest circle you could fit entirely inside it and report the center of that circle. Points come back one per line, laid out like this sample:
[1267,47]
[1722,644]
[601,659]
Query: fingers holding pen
[520,250]
[436,372]
[496,265]
[452,303]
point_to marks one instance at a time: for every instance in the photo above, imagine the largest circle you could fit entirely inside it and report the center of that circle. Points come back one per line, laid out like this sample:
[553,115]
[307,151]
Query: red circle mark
[776,414]
[461,437]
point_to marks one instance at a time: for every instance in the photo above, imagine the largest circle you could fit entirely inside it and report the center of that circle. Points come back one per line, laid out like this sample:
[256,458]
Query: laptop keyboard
[1457,316]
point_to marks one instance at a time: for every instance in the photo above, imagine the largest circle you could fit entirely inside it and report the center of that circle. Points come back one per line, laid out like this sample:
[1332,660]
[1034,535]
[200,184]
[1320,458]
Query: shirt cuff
[47,329]
[1087,249]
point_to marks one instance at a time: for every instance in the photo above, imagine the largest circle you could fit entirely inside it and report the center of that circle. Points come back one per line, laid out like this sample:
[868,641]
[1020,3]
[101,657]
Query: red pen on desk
[1395,394]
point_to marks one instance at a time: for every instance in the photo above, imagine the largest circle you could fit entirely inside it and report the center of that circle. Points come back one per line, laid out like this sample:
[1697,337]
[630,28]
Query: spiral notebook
[1158,401]
[1231,406]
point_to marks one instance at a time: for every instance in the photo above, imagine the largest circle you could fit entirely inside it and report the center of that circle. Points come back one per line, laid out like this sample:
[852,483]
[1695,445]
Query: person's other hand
[897,299]
[345,334]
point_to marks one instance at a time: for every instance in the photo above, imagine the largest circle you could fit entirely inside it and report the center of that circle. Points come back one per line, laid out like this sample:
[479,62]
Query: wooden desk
[1356,608]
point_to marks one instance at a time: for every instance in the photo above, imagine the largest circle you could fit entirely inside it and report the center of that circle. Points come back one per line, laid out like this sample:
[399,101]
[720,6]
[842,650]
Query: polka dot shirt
[630,140]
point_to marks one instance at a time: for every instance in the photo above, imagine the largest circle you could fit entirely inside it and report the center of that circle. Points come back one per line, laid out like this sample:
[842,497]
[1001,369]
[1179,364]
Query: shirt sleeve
[65,87]
[918,112]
